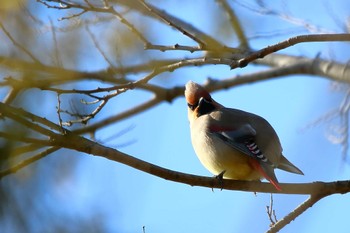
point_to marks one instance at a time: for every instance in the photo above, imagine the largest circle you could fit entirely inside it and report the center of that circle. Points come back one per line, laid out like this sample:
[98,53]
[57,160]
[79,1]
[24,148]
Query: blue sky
[134,199]
[131,199]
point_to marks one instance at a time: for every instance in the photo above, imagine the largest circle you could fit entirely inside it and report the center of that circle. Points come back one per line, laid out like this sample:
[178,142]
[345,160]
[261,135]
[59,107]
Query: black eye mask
[205,107]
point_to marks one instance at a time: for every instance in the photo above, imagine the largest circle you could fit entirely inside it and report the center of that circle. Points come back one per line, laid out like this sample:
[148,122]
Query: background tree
[95,77]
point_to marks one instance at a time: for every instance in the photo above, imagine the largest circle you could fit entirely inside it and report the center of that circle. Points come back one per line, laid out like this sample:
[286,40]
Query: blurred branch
[18,45]
[98,47]
[27,162]
[262,9]
[319,67]
[236,25]
[285,65]
[63,5]
[62,75]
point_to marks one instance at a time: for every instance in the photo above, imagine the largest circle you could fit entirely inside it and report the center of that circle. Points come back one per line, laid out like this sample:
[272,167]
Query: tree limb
[72,141]
[288,43]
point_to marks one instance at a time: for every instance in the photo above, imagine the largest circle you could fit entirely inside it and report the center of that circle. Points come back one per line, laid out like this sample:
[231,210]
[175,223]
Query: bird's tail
[288,166]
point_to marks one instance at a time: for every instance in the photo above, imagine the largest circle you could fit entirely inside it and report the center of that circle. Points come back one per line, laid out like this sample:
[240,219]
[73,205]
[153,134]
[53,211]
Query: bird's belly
[216,156]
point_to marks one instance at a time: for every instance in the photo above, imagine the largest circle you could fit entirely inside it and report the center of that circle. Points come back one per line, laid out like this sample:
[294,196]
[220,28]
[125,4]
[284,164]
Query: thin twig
[59,110]
[192,49]
[73,15]
[56,52]
[132,111]
[262,9]
[295,213]
[98,47]
[103,101]
[167,20]
[90,8]
[271,213]
[18,45]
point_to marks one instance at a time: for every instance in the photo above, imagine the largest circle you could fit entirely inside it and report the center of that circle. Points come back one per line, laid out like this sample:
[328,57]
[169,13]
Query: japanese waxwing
[232,143]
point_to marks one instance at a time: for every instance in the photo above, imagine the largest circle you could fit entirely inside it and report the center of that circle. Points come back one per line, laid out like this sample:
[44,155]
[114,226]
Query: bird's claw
[220,178]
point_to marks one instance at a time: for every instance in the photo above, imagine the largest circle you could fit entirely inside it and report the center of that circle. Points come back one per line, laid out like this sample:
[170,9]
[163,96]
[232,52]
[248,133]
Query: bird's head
[199,101]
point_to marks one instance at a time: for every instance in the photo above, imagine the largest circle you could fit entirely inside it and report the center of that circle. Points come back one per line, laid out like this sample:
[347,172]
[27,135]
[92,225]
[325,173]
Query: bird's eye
[192,106]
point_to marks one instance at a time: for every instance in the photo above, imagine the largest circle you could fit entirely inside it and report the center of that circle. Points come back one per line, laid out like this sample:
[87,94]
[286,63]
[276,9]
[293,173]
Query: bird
[231,143]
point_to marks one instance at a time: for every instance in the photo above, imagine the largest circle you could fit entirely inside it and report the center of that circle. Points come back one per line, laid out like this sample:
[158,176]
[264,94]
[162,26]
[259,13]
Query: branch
[27,162]
[72,141]
[288,43]
[16,44]
[165,17]
[63,5]
[295,213]
[318,67]
[132,111]
[236,25]
[20,116]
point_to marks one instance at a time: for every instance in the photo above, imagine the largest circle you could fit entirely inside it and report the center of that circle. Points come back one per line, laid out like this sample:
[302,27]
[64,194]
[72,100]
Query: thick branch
[81,144]
[75,142]
[318,67]
[72,141]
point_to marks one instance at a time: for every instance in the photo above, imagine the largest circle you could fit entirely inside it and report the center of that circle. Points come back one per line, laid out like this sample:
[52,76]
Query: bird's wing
[243,140]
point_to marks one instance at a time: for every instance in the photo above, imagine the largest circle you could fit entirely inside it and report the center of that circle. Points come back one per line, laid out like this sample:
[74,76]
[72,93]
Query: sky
[131,200]
[135,199]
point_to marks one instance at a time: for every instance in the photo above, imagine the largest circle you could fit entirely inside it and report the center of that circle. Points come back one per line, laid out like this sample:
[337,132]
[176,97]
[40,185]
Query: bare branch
[16,44]
[96,44]
[295,213]
[57,57]
[72,141]
[191,49]
[20,116]
[288,43]
[73,15]
[271,212]
[23,138]
[319,67]
[26,162]
[262,9]
[103,101]
[168,20]
[132,111]
[91,8]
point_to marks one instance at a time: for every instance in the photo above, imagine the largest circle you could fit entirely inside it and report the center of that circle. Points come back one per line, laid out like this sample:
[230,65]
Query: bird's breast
[217,156]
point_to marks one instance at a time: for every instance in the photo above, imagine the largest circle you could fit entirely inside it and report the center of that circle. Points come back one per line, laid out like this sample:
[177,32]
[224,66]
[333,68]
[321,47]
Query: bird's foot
[220,178]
